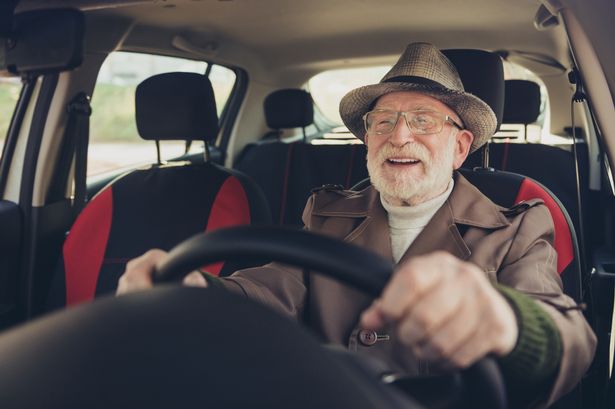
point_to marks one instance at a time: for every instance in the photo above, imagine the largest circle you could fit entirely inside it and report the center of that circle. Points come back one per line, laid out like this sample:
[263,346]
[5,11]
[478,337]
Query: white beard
[404,186]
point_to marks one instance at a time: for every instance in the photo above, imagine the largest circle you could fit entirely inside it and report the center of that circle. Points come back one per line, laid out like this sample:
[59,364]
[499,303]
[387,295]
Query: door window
[9,94]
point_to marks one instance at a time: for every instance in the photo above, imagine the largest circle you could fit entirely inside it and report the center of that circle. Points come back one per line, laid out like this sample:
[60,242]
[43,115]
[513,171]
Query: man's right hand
[139,271]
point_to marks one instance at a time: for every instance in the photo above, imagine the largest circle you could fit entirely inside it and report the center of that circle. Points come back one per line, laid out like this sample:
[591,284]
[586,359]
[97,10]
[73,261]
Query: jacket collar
[465,206]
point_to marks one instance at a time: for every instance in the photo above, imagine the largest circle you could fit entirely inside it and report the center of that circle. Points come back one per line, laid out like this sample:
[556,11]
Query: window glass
[222,79]
[9,94]
[114,140]
[328,88]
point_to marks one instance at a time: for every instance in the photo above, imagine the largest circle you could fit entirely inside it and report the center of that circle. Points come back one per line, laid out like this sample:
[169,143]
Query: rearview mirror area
[43,41]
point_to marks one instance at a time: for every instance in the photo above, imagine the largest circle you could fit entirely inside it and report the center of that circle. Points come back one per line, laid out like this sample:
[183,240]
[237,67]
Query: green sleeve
[531,366]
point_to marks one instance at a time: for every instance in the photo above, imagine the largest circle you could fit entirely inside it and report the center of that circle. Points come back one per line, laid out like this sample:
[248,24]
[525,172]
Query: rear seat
[287,172]
[552,166]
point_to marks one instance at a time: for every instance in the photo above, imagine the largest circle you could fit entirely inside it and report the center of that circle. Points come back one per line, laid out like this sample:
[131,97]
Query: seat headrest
[522,102]
[289,108]
[482,74]
[176,106]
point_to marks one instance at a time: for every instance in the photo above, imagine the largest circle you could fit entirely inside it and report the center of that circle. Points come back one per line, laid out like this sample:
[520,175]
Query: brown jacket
[512,247]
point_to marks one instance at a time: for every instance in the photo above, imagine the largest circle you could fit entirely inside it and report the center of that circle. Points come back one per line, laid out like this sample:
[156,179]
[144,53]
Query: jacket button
[369,337]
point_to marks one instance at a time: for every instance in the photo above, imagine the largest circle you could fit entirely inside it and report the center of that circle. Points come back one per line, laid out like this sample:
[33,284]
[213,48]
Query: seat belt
[79,110]
[76,137]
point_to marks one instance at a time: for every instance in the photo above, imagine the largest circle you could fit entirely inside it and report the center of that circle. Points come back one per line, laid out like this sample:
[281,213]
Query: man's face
[409,169]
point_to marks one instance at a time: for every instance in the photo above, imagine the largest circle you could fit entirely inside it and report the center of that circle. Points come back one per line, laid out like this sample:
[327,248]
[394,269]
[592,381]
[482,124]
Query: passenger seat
[159,206]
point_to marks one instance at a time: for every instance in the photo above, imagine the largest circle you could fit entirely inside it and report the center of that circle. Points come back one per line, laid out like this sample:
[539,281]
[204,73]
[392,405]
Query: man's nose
[401,134]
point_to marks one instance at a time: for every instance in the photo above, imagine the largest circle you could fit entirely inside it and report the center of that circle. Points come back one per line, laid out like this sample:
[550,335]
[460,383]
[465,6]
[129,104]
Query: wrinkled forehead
[412,100]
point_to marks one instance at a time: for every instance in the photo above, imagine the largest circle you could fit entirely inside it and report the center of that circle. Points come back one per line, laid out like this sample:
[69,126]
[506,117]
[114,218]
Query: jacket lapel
[441,233]
[373,233]
[370,225]
[466,206]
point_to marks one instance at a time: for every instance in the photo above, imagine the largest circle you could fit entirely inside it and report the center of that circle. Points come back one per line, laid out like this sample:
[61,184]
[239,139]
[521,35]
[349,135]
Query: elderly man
[472,278]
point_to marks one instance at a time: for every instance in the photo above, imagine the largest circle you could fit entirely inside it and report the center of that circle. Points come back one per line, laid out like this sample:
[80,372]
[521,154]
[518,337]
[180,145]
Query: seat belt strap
[75,141]
[79,111]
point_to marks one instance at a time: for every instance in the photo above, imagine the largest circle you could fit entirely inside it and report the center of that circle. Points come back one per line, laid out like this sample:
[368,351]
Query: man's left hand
[445,310]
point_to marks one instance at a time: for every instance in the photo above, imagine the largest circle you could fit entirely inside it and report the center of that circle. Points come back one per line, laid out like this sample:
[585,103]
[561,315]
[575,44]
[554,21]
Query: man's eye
[386,121]
[424,122]
[383,122]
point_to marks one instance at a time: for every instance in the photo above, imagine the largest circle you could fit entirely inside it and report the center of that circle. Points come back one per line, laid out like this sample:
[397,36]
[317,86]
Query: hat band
[415,80]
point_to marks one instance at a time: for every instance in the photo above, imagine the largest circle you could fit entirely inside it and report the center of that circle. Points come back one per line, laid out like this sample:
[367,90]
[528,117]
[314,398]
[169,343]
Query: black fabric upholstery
[289,108]
[522,102]
[176,106]
[288,172]
[482,74]
[173,204]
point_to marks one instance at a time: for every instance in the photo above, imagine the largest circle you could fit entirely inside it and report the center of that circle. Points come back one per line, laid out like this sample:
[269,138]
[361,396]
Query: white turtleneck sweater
[406,222]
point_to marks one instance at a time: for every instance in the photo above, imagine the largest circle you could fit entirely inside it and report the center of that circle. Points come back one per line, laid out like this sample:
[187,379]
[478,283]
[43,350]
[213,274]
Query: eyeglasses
[383,121]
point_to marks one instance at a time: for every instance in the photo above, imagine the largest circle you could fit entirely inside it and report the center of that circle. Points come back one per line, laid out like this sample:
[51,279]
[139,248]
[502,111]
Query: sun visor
[43,41]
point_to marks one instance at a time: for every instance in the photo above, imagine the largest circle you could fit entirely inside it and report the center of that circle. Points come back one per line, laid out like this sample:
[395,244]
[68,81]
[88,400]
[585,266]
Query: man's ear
[365,139]
[463,143]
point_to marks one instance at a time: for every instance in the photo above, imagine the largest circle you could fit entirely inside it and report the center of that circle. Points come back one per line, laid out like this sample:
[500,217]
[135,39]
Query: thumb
[195,279]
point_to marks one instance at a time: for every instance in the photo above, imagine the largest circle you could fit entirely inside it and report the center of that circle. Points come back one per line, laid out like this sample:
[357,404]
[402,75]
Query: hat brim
[476,115]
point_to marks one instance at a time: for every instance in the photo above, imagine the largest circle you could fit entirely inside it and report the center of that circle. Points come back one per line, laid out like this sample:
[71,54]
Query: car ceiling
[317,34]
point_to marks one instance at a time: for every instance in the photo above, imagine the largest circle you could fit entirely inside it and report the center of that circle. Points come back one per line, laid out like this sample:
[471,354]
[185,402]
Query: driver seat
[161,205]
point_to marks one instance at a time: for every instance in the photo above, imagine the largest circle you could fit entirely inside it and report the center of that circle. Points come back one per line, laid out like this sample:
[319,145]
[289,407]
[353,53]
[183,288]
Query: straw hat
[423,68]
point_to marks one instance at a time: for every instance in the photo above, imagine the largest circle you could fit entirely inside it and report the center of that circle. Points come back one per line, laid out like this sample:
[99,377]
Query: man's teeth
[403,160]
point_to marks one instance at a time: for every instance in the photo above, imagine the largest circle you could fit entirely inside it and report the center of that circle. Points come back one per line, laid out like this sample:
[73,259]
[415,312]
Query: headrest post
[486,155]
[188,145]
[158,152]
[206,152]
[304,136]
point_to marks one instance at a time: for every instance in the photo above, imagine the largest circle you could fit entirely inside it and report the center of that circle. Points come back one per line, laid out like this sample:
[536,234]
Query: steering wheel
[482,384]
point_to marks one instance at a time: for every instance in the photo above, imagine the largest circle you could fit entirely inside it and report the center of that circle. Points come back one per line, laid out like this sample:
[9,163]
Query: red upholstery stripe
[563,240]
[83,258]
[230,208]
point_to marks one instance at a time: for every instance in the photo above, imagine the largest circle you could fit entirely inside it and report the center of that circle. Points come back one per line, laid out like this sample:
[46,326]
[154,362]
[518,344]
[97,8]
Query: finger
[372,318]
[432,311]
[412,281]
[138,273]
[472,349]
[458,329]
[194,279]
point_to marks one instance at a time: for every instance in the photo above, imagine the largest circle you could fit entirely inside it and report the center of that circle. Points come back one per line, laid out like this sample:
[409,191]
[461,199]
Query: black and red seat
[161,205]
[552,166]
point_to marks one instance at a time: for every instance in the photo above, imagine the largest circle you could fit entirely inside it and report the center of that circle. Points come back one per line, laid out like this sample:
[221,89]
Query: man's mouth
[402,161]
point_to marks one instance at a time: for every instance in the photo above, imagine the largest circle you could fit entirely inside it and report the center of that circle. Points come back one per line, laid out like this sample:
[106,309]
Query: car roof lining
[343,32]
[244,33]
